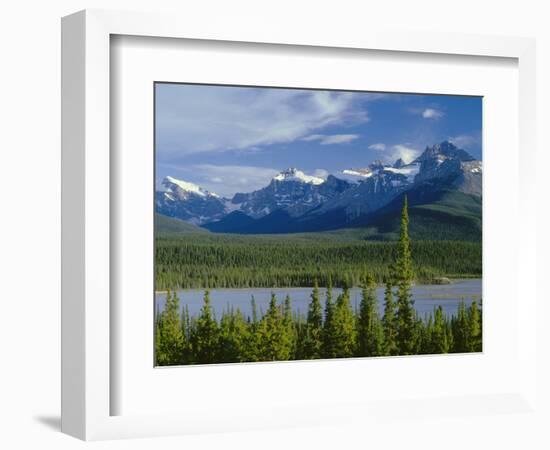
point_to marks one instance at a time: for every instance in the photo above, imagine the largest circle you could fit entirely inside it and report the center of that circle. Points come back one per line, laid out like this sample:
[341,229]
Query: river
[426,297]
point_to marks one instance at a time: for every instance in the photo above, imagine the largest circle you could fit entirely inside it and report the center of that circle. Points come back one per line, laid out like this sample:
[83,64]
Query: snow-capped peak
[409,170]
[186,186]
[293,174]
[354,176]
[364,173]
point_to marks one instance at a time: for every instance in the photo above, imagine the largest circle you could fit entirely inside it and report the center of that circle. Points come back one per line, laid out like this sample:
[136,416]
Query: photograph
[298,224]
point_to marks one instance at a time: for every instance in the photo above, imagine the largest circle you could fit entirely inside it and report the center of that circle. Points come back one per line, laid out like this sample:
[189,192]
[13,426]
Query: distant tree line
[332,330]
[207,262]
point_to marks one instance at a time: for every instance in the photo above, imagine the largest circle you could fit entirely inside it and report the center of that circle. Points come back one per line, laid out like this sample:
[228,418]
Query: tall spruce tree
[312,347]
[403,277]
[205,337]
[370,334]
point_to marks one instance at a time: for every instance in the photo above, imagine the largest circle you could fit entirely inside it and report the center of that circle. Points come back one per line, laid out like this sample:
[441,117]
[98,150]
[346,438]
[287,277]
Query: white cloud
[193,119]
[464,141]
[406,153]
[430,113]
[378,147]
[313,137]
[331,139]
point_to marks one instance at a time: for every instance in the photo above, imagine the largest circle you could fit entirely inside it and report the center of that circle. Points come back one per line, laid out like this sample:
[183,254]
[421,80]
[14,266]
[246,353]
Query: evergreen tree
[474,329]
[313,338]
[232,336]
[205,334]
[330,331]
[460,325]
[273,339]
[439,336]
[389,322]
[403,269]
[450,337]
[158,343]
[254,310]
[370,333]
[300,325]
[344,326]
[426,340]
[169,334]
[186,355]
[403,275]
[289,335]
[251,341]
[159,357]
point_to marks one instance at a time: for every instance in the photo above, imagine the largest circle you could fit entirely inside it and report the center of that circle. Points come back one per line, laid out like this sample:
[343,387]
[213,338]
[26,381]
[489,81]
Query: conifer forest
[331,327]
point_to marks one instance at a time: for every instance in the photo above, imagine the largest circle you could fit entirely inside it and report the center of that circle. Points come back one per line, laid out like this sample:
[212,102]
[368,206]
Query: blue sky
[235,139]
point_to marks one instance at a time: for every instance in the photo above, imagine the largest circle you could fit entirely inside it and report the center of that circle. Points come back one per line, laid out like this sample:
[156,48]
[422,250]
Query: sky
[230,139]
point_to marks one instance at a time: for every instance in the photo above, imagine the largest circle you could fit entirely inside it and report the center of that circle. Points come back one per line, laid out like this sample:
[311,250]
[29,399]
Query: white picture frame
[87,326]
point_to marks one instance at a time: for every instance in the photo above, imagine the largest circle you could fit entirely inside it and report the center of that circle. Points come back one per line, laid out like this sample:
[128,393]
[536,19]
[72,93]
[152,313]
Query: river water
[426,297]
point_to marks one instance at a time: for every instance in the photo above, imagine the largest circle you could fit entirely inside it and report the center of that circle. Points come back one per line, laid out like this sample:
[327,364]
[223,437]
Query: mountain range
[443,186]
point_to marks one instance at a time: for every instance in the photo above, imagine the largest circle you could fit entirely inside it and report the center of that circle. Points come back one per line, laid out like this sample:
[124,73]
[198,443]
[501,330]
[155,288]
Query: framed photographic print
[254,217]
[296,224]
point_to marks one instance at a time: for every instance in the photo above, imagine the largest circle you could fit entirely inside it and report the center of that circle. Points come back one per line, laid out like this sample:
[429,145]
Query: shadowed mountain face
[443,185]
[442,214]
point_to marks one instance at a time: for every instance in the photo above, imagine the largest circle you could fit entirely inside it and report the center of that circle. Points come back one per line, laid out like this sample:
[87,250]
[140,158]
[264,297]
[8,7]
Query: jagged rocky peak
[399,163]
[443,151]
[376,165]
[447,163]
[294,174]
